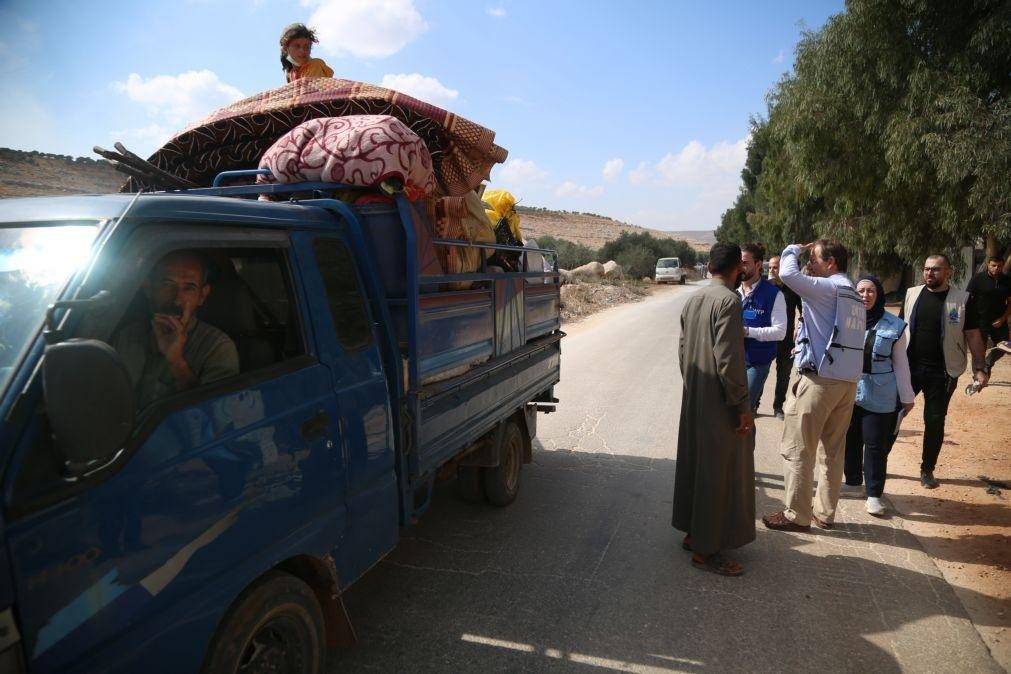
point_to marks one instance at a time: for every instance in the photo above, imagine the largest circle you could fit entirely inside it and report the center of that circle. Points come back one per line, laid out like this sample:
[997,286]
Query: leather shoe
[821,524]
[780,522]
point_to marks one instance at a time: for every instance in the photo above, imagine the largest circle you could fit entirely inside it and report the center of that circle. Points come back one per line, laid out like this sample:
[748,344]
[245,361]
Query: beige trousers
[817,415]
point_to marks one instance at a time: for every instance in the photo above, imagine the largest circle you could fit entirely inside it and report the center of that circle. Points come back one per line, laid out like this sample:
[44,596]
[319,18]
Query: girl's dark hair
[292,32]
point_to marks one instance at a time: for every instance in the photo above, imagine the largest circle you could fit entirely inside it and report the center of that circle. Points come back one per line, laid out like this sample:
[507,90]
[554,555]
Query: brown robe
[714,481]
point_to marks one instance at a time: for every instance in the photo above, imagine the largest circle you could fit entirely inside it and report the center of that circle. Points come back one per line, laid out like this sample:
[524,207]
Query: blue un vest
[877,390]
[757,311]
[843,359]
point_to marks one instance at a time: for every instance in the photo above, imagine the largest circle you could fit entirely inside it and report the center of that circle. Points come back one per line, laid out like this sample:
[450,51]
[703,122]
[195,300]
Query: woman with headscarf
[884,388]
[296,54]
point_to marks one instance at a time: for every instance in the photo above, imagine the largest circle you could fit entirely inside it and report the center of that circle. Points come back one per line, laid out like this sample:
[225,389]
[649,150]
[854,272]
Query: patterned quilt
[236,136]
[360,150]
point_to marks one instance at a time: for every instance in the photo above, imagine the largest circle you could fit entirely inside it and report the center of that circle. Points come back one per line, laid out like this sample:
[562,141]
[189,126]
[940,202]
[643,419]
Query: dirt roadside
[962,526]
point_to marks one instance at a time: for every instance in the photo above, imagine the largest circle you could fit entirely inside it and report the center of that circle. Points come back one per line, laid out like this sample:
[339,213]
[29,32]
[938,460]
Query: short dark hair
[723,257]
[995,258]
[941,256]
[185,254]
[756,250]
[830,248]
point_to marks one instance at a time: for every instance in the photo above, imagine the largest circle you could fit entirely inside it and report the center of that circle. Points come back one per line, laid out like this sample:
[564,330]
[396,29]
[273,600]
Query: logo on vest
[953,315]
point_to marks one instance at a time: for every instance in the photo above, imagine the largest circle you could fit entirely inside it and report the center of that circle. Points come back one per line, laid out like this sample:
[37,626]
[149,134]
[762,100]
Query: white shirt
[777,330]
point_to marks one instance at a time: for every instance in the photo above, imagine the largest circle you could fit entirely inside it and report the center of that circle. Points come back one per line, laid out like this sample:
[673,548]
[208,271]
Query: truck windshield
[671,263]
[35,263]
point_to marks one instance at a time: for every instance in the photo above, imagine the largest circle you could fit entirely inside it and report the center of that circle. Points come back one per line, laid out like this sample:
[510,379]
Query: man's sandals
[718,564]
[714,563]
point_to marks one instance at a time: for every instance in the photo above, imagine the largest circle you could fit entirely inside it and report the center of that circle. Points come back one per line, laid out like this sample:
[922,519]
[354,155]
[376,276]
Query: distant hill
[28,174]
[595,230]
[32,174]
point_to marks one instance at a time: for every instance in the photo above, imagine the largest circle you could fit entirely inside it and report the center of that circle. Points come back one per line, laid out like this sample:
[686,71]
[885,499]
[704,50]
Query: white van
[669,270]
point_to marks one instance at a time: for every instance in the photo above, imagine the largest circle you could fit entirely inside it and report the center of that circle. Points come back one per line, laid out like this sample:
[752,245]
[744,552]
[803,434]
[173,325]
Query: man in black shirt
[784,349]
[936,317]
[989,308]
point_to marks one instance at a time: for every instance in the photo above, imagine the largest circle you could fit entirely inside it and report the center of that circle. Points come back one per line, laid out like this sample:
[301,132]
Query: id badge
[750,314]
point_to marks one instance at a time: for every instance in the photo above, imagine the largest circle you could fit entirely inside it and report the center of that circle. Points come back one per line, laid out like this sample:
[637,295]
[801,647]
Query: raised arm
[810,288]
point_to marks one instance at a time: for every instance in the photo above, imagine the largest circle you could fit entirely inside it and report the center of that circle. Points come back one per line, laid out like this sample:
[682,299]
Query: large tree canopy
[893,134]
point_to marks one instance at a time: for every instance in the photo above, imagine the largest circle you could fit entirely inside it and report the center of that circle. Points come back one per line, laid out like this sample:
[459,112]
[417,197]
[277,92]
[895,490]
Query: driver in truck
[174,350]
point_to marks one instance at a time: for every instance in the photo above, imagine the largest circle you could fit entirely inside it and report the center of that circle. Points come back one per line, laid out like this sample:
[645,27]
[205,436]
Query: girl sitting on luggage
[296,50]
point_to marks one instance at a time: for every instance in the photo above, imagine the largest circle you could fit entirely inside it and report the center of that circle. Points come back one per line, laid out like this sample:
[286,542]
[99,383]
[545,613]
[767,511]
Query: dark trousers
[995,335]
[868,442]
[784,367]
[937,388]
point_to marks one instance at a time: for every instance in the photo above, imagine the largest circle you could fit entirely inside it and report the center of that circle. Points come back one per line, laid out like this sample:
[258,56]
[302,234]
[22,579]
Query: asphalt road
[584,572]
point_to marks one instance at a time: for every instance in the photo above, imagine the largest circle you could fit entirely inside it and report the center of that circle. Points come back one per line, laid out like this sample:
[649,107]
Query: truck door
[348,346]
[129,568]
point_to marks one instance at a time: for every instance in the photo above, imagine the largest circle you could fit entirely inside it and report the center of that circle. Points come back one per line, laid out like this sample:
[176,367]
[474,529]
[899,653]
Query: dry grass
[587,297]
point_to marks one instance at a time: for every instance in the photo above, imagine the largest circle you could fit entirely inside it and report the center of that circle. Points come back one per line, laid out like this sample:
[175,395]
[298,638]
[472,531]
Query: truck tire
[502,483]
[276,625]
[683,279]
[469,485]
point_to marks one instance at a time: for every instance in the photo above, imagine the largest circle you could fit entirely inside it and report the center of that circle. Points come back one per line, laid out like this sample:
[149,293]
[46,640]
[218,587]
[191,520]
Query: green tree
[570,254]
[894,134]
[657,248]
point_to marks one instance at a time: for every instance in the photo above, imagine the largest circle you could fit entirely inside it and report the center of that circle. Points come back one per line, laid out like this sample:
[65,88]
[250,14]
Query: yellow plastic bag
[502,205]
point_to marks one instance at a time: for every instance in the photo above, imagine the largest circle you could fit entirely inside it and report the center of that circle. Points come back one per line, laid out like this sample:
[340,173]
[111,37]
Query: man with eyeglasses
[175,351]
[935,316]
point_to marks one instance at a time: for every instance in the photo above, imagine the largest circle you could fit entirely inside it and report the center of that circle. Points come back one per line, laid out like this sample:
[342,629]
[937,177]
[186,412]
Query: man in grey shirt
[829,364]
[175,351]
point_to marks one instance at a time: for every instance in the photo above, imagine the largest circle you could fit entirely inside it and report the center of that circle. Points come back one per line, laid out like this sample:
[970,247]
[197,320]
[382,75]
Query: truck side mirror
[89,400]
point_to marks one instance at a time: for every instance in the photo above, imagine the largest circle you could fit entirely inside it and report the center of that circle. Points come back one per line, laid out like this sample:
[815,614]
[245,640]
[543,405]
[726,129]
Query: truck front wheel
[276,625]
[502,483]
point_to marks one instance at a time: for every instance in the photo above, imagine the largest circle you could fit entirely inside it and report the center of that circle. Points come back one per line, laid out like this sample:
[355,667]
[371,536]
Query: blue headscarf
[878,310]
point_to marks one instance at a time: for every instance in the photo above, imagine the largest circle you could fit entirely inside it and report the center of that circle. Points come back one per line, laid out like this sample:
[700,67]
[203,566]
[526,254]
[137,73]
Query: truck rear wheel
[684,279]
[276,625]
[502,483]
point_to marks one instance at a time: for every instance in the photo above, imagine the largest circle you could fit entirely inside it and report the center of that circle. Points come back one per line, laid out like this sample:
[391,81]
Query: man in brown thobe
[714,482]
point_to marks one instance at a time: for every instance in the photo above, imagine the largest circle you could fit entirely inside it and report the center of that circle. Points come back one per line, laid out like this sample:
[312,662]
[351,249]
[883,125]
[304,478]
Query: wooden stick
[140,163]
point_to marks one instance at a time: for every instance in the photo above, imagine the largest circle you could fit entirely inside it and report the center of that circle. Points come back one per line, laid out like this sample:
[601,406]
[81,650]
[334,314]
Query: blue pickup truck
[216,528]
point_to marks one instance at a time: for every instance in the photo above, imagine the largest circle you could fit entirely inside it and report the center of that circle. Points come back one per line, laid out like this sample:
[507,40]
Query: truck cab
[669,270]
[170,533]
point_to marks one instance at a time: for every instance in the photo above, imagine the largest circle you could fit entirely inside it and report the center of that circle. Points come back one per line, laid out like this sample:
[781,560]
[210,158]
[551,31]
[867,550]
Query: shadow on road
[584,572]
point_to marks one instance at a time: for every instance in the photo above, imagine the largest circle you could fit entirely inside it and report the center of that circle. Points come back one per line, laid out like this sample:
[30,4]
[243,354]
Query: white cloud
[365,28]
[497,12]
[780,57]
[613,167]
[702,182]
[427,89]
[571,189]
[695,165]
[181,99]
[518,173]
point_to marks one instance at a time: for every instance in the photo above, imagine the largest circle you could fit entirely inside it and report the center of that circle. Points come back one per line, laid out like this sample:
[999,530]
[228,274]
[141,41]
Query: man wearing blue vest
[829,362]
[764,311]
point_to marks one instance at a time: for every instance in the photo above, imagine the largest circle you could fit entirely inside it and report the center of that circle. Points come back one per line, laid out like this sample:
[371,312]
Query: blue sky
[635,110]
